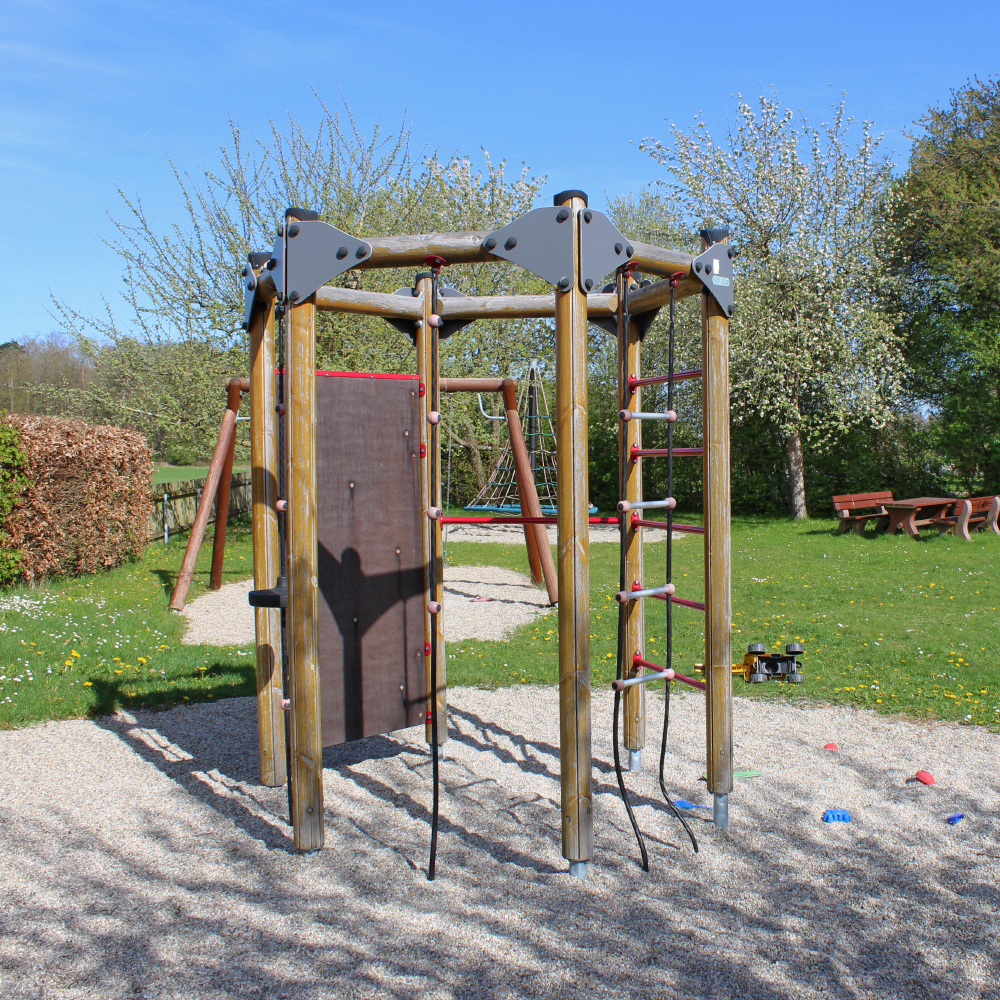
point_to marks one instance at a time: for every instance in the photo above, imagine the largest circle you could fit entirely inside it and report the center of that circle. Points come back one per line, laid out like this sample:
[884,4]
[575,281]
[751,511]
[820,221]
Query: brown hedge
[88,504]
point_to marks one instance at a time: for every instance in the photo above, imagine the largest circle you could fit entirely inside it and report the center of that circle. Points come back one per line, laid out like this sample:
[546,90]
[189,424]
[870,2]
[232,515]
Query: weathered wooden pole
[572,497]
[266,556]
[235,394]
[303,591]
[630,435]
[437,700]
[227,432]
[530,505]
[718,557]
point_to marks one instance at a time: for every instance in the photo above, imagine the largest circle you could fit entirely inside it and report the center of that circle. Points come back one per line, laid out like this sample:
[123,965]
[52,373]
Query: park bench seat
[847,505]
[972,514]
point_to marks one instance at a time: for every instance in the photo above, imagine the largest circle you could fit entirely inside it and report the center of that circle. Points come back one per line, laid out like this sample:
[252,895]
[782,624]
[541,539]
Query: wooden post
[530,505]
[266,556]
[574,570]
[629,435]
[235,394]
[227,432]
[433,624]
[303,570]
[718,570]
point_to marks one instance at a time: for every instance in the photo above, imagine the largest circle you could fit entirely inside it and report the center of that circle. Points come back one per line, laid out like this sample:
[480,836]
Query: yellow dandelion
[87,684]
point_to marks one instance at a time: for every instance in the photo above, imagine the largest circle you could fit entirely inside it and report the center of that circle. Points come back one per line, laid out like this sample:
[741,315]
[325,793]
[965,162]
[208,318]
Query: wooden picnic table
[912,514]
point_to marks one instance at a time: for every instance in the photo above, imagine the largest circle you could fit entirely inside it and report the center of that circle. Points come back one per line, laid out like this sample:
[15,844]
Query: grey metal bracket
[308,254]
[714,269]
[602,248]
[542,242]
[255,261]
[642,320]
[409,326]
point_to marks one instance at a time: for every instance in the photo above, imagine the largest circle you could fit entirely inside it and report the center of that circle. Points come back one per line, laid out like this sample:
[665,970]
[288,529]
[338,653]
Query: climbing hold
[836,816]
[831,746]
[924,777]
[955,819]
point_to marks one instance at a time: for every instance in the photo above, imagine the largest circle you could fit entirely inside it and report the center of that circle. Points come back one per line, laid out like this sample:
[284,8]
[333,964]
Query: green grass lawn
[888,623]
[89,645]
[178,473]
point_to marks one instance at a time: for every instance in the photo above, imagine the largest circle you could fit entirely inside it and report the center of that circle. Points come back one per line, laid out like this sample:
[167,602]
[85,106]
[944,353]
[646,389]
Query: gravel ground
[480,602]
[511,534]
[140,858]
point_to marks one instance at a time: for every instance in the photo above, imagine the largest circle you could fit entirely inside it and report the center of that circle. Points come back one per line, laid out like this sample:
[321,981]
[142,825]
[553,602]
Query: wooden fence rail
[182,503]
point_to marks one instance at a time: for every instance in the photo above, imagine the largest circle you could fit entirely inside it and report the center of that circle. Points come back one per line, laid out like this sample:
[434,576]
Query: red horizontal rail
[637,452]
[697,605]
[520,520]
[638,522]
[638,661]
[677,377]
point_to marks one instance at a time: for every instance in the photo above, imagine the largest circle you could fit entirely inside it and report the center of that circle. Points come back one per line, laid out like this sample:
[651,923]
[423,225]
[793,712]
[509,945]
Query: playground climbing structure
[573,248]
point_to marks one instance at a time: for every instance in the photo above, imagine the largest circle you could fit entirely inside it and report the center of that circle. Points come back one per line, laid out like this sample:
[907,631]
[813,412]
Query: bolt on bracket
[310,253]
[714,269]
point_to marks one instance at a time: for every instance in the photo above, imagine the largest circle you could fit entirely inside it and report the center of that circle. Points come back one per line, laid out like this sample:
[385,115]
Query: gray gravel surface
[141,858]
[480,602]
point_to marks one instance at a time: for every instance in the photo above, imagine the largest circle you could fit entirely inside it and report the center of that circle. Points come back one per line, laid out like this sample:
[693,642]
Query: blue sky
[98,95]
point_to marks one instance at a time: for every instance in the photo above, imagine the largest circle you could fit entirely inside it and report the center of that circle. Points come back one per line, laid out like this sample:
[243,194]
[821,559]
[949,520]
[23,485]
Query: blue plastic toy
[955,819]
[684,804]
[836,816]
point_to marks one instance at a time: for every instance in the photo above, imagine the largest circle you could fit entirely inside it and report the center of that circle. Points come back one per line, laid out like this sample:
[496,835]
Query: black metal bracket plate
[311,253]
[255,261]
[542,242]
[714,269]
[602,248]
[409,327]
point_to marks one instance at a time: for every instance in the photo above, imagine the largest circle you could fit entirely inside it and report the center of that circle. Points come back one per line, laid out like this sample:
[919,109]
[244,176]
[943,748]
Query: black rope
[279,318]
[670,567]
[623,583]
[432,579]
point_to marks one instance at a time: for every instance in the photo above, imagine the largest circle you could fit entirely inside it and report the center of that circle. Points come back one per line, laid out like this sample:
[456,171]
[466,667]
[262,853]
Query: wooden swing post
[266,555]
[303,571]
[573,513]
[718,555]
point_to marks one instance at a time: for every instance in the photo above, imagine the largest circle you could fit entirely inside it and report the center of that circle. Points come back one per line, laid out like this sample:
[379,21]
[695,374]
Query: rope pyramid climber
[500,493]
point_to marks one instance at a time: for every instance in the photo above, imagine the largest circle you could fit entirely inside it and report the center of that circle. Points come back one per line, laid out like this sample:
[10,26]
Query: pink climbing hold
[831,746]
[925,777]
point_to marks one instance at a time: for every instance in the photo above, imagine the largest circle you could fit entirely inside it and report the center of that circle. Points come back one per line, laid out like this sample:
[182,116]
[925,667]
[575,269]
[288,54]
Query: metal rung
[628,682]
[670,416]
[637,452]
[633,595]
[627,505]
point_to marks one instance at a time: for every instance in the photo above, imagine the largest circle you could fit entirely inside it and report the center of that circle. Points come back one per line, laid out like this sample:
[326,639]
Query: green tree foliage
[13,482]
[164,352]
[815,353]
[949,217]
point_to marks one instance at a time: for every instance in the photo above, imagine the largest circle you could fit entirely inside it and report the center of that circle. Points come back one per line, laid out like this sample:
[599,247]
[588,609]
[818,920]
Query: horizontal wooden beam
[659,260]
[410,251]
[353,300]
[658,294]
[471,384]
[520,306]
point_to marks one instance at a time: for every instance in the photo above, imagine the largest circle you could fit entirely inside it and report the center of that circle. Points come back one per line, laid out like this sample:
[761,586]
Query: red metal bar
[519,520]
[638,661]
[635,452]
[692,529]
[678,377]
[697,605]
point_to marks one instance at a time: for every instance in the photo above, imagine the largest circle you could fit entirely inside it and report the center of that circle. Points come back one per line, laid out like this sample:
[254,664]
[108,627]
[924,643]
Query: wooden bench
[975,513]
[844,505]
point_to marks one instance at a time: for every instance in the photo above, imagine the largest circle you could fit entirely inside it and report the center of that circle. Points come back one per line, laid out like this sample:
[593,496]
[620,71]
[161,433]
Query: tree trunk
[796,474]
[473,445]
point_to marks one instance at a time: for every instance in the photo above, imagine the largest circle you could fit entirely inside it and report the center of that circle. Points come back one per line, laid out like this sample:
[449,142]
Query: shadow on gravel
[220,914]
